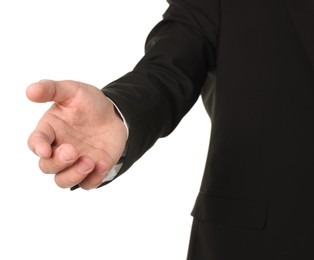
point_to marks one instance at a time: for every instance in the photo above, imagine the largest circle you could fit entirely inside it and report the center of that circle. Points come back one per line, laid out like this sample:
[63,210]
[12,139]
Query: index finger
[41,139]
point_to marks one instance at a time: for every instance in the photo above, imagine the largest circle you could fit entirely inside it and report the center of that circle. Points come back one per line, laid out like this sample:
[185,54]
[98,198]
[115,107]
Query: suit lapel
[302,12]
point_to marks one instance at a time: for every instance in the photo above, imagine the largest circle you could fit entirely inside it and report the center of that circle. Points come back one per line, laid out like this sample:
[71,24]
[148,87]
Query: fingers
[62,157]
[41,139]
[70,169]
[49,90]
[75,174]
[85,173]
[95,178]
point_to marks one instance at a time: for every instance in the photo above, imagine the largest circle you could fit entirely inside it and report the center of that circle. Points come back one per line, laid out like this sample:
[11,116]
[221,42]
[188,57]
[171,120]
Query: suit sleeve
[167,81]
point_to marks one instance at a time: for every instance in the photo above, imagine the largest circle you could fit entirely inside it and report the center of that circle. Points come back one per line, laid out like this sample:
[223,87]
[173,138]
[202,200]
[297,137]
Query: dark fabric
[252,61]
[286,233]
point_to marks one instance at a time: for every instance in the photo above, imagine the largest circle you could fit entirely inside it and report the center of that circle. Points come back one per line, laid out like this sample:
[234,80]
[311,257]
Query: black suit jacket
[253,63]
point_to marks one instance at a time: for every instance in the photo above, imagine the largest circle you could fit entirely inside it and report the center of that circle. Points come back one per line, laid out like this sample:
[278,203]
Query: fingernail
[83,167]
[44,80]
[65,156]
[40,152]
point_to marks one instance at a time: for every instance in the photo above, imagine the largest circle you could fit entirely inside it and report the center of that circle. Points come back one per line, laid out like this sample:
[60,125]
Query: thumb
[49,90]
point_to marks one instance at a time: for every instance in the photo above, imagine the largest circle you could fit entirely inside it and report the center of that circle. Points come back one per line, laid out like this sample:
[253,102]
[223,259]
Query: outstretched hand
[80,137]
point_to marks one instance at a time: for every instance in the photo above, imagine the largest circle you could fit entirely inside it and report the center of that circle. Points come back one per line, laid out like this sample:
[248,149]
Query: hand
[80,137]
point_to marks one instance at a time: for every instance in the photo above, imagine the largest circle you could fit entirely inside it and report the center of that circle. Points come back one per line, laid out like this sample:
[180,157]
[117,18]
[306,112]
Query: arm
[167,81]
[81,137]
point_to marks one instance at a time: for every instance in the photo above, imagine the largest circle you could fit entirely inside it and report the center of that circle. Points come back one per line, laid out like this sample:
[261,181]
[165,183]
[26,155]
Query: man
[253,63]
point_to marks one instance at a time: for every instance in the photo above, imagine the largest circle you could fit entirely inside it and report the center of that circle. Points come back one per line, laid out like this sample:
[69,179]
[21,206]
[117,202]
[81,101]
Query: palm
[83,123]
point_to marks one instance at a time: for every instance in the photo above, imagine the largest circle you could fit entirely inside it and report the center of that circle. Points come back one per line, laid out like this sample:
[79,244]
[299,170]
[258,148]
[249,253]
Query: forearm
[166,82]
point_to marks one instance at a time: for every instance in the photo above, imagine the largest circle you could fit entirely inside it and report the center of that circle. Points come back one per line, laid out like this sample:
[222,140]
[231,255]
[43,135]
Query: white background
[144,214]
